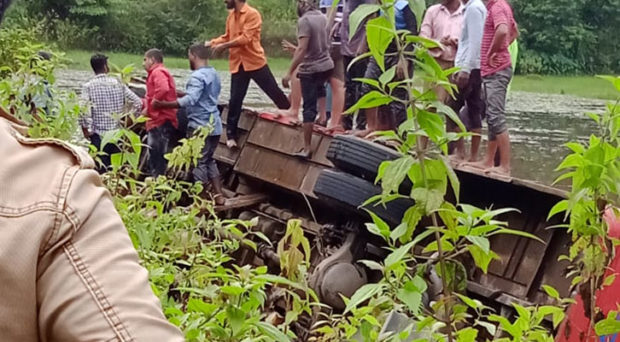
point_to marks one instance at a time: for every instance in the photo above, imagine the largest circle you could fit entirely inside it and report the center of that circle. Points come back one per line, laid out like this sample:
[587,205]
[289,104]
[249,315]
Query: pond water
[539,123]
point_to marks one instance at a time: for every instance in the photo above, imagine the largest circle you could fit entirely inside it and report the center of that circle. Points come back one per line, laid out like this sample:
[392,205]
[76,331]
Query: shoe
[231,143]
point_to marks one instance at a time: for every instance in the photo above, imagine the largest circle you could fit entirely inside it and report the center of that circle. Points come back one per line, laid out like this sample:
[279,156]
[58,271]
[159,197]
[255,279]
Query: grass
[582,86]
[80,60]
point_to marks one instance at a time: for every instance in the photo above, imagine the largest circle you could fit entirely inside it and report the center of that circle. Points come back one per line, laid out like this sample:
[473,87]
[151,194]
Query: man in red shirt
[500,29]
[162,121]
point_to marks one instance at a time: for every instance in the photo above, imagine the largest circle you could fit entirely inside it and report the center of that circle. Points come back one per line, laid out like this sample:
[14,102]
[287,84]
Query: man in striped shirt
[500,29]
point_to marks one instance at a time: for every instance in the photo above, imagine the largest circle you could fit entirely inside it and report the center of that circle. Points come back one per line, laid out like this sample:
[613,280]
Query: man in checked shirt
[105,96]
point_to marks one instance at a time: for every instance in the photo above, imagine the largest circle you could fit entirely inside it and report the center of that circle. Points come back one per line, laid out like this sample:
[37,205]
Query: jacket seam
[97,293]
[29,209]
[63,191]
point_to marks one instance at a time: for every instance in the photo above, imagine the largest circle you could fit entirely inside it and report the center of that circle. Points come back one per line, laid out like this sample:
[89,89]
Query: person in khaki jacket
[68,269]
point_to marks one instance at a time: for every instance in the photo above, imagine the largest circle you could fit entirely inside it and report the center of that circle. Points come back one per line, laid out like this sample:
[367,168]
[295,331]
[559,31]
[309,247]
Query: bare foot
[456,160]
[336,130]
[481,165]
[499,170]
[361,133]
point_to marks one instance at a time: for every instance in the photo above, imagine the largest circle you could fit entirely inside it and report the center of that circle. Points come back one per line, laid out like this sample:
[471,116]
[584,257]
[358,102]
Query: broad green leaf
[361,13]
[400,230]
[363,294]
[274,333]
[481,259]
[397,255]
[197,305]
[418,7]
[454,180]
[373,265]
[236,318]
[467,335]
[381,226]
[372,82]
[481,242]
[432,125]
[395,173]
[551,292]
[430,200]
[609,280]
[560,207]
[446,246]
[412,217]
[387,76]
[523,312]
[411,296]
[491,328]
[379,34]
[232,290]
[472,303]
[608,326]
[450,114]
[371,100]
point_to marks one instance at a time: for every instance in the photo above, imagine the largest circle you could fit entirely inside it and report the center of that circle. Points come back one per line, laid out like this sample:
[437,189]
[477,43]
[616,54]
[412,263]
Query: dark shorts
[468,103]
[311,87]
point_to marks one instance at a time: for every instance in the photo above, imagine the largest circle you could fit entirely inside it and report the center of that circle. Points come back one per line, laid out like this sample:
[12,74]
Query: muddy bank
[539,123]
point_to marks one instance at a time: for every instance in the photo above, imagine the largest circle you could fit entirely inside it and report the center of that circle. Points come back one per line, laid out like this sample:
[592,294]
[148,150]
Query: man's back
[201,99]
[69,270]
[312,25]
[107,96]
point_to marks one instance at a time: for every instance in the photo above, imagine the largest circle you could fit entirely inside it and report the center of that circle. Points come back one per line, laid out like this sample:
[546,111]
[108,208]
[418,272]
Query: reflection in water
[539,123]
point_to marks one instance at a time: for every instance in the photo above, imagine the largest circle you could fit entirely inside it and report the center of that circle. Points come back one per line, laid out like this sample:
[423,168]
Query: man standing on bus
[247,62]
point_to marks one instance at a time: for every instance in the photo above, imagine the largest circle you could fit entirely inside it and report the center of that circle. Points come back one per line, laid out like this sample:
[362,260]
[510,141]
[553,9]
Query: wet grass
[582,86]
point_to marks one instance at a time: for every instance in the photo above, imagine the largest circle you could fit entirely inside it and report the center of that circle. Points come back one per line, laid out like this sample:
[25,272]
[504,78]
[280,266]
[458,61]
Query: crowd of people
[473,35]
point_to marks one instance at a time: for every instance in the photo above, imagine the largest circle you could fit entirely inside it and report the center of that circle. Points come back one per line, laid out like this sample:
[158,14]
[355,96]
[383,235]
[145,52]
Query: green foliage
[567,36]
[135,26]
[594,171]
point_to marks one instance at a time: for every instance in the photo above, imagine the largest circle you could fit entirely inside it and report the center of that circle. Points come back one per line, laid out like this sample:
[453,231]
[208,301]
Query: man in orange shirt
[247,62]
[162,122]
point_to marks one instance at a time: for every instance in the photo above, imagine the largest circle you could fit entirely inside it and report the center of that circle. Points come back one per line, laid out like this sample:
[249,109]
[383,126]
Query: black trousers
[108,150]
[353,91]
[240,81]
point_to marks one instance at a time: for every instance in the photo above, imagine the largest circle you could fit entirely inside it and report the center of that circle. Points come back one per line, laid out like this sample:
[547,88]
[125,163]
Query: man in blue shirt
[200,101]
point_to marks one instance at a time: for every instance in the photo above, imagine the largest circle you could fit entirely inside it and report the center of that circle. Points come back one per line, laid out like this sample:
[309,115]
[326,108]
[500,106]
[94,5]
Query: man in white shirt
[468,79]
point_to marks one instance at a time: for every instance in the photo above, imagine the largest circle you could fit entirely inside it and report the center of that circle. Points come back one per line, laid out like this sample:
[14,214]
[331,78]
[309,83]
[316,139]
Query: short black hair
[44,55]
[156,55]
[201,51]
[98,62]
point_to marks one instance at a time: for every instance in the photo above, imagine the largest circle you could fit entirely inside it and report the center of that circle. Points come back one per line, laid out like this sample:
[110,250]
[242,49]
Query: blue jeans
[158,140]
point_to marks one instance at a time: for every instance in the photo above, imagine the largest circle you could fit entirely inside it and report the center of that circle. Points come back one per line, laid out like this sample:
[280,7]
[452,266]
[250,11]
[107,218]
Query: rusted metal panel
[226,155]
[229,156]
[273,167]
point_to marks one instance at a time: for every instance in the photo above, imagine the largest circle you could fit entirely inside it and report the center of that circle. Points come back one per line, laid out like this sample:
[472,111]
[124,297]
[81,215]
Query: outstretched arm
[250,33]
